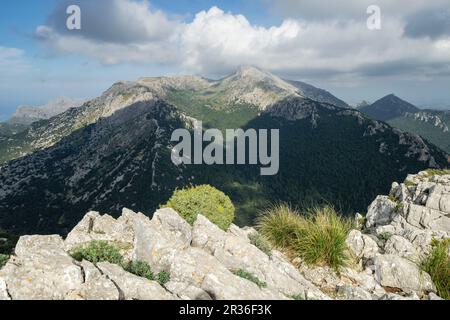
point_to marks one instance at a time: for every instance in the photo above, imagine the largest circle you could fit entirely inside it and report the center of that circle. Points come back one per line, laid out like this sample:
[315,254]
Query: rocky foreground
[202,259]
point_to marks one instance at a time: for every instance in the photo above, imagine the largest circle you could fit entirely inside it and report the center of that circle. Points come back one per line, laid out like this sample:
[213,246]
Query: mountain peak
[389,107]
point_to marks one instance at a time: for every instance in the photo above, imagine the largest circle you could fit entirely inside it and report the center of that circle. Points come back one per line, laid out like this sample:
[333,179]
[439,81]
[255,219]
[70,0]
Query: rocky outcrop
[203,261]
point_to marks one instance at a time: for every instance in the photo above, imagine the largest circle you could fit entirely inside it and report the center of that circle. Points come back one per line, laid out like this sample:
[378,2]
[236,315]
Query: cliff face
[205,262]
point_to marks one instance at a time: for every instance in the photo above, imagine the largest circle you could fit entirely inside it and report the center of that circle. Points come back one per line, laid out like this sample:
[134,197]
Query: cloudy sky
[325,43]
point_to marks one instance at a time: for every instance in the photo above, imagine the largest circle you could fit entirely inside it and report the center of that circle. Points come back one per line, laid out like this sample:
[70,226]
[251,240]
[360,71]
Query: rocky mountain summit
[204,262]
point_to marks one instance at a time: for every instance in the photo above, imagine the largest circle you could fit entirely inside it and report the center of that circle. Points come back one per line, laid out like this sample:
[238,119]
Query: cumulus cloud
[118,21]
[433,23]
[215,42]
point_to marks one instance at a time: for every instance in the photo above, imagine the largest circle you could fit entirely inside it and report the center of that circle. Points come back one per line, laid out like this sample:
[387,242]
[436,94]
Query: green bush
[250,277]
[97,251]
[163,277]
[260,242]
[7,247]
[140,269]
[318,237]
[437,264]
[205,200]
[3,260]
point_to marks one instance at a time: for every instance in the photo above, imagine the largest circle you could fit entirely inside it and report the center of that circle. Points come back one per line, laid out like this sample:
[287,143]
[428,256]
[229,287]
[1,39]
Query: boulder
[361,245]
[186,291]
[132,287]
[4,295]
[399,246]
[41,270]
[96,285]
[397,272]
[426,218]
[349,292]
[380,212]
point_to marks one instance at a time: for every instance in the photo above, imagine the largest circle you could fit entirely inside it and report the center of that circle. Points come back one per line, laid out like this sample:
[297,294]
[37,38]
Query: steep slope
[120,160]
[329,154]
[388,108]
[430,124]
[320,95]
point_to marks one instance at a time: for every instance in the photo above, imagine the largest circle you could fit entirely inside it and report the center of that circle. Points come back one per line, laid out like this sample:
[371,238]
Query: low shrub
[97,251]
[437,265]
[3,260]
[8,242]
[205,200]
[250,277]
[318,237]
[163,277]
[140,269]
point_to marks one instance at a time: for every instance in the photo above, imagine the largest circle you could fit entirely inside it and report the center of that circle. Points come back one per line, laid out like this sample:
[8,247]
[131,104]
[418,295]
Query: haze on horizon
[326,45]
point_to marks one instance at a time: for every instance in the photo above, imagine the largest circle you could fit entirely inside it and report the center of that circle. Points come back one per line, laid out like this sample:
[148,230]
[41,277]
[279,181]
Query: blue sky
[311,41]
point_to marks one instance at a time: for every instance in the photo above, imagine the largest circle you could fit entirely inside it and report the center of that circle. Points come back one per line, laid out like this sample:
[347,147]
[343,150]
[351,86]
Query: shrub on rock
[205,200]
[97,251]
[3,260]
[140,269]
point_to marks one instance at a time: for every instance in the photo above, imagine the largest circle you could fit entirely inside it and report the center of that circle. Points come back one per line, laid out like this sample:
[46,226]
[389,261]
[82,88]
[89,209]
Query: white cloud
[12,62]
[216,42]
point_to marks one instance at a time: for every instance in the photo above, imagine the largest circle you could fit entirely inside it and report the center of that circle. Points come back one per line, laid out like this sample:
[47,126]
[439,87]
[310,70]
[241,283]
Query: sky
[324,43]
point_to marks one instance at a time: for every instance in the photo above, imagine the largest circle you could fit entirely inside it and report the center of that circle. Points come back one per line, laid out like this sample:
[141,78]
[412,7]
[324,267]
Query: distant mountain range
[114,151]
[26,115]
[433,125]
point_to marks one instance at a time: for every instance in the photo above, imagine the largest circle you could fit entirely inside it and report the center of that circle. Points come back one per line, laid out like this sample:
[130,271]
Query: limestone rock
[399,246]
[396,272]
[41,270]
[361,245]
[380,212]
[132,287]
[354,293]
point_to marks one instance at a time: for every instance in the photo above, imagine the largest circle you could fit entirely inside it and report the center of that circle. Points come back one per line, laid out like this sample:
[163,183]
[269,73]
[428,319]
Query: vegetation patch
[205,200]
[250,277]
[97,251]
[384,236]
[3,260]
[318,236]
[103,251]
[163,277]
[140,269]
[260,242]
[437,172]
[437,264]
[7,242]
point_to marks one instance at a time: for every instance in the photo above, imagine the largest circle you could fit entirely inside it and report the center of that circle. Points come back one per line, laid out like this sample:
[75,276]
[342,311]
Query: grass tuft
[318,237]
[437,265]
